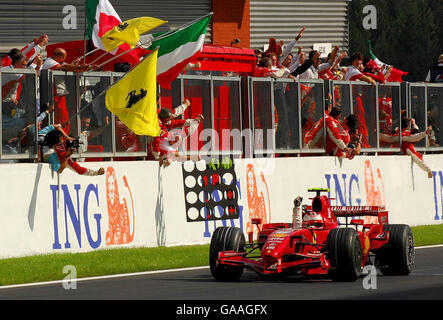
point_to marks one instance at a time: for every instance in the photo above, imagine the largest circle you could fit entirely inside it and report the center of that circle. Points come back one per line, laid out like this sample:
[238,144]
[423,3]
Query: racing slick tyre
[225,239]
[397,257]
[345,254]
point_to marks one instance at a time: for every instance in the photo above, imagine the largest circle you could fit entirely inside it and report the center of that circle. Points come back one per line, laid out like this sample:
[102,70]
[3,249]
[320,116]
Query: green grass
[115,261]
[101,262]
[428,235]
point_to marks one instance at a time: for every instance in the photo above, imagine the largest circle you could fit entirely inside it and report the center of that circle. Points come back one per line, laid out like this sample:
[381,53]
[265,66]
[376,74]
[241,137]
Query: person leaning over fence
[173,134]
[354,72]
[57,152]
[168,119]
[410,135]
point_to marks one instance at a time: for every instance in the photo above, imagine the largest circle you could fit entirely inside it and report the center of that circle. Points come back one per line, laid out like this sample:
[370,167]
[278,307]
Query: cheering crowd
[344,138]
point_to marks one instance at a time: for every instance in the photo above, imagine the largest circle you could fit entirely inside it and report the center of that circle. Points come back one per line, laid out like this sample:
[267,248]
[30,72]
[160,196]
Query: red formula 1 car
[323,246]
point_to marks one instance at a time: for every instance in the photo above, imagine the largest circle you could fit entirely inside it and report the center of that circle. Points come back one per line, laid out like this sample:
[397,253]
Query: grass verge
[115,261]
[101,262]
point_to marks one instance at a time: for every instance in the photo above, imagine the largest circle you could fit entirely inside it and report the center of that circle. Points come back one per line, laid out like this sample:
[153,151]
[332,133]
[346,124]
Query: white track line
[134,274]
[122,275]
[432,246]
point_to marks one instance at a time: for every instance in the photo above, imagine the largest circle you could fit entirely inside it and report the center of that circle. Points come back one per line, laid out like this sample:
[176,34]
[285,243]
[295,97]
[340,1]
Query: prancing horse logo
[123,26]
[133,97]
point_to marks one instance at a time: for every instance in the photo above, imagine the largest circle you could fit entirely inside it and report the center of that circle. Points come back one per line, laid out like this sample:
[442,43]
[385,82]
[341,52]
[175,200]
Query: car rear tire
[397,257]
[344,253]
[226,239]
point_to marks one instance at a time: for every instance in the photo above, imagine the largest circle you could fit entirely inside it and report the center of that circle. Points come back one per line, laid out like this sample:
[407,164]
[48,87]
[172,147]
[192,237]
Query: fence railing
[244,117]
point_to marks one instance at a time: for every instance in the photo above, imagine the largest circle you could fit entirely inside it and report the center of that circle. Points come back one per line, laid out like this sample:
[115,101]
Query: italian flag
[396,74]
[177,48]
[102,17]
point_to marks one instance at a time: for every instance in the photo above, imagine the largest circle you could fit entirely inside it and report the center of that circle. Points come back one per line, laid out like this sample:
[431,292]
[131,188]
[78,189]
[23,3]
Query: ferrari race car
[334,241]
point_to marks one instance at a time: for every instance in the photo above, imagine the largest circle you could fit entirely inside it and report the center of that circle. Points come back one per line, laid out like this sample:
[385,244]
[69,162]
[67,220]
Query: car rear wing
[353,211]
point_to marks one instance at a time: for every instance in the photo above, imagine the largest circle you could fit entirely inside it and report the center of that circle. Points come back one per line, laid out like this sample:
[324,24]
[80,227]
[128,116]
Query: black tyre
[224,239]
[397,257]
[344,253]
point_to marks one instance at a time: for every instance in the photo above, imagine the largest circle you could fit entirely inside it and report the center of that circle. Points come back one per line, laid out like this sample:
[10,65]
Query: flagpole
[118,56]
[84,39]
[104,91]
[158,38]
[104,54]
[181,27]
[85,55]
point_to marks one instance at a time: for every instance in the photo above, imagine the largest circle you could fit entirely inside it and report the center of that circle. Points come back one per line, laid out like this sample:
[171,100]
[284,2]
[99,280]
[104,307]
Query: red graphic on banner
[119,231]
[256,200]
[375,190]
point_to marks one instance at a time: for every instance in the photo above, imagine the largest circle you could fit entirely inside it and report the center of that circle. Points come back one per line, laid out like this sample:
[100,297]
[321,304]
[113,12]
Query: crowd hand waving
[38,61]
[199,118]
[300,33]
[42,40]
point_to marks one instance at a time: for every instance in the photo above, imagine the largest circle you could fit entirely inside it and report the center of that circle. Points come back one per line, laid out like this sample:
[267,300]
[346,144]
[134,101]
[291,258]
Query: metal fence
[244,117]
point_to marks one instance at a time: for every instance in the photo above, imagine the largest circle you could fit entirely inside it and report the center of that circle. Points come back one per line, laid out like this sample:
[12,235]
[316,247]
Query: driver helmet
[312,220]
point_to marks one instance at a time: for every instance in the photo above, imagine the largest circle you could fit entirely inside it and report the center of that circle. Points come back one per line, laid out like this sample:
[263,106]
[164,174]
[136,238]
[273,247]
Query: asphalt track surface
[424,283]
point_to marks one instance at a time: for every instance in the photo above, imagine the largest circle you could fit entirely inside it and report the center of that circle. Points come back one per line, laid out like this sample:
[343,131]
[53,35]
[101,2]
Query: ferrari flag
[129,32]
[133,99]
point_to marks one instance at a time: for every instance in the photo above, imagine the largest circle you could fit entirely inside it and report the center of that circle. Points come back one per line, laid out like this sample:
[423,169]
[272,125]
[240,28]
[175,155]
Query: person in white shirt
[288,48]
[354,72]
[312,72]
[435,74]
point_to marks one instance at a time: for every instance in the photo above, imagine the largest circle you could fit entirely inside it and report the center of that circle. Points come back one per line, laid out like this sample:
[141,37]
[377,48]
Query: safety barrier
[245,117]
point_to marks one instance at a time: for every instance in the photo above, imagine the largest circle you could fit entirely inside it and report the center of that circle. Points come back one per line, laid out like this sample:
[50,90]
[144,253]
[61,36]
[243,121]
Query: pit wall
[139,204]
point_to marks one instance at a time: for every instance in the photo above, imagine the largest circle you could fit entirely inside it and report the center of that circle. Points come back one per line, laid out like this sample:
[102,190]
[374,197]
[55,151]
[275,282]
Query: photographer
[58,154]
[355,141]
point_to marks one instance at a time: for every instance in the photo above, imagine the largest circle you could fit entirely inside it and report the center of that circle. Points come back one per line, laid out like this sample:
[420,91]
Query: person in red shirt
[337,138]
[410,135]
[165,146]
[314,137]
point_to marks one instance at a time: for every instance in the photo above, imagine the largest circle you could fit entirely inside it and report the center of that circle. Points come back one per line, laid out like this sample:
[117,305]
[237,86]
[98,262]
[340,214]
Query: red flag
[396,75]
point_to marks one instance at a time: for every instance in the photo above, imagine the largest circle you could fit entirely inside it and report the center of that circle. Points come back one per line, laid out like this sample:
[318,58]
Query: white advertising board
[138,204]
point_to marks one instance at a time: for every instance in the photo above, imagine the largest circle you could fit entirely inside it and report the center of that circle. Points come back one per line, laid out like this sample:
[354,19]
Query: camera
[74,144]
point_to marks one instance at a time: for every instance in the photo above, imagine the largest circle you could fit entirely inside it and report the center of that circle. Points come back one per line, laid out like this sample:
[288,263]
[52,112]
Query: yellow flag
[134,98]
[129,32]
